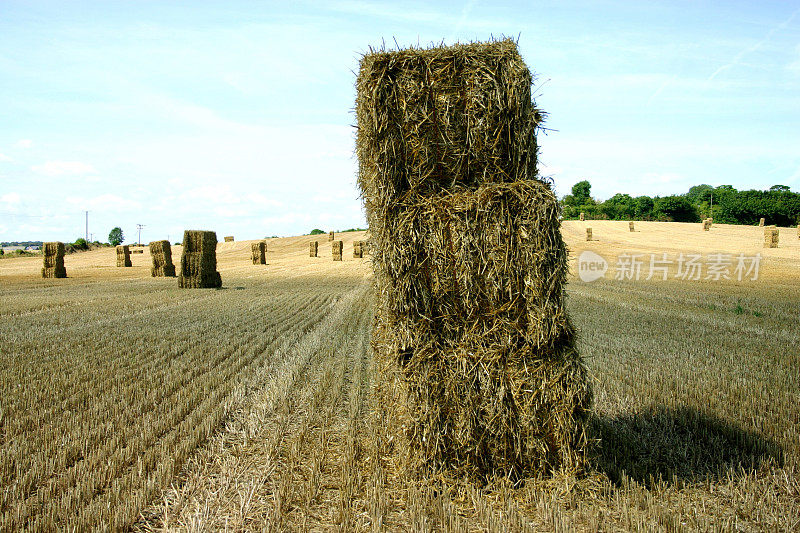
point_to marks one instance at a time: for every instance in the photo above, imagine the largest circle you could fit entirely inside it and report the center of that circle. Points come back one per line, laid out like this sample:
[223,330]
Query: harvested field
[266,420]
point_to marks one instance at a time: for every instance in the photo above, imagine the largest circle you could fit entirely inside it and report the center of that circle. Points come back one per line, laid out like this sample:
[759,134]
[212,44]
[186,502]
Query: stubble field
[126,402]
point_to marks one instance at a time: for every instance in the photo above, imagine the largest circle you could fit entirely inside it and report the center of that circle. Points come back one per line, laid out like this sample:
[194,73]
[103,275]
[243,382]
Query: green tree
[675,208]
[699,193]
[316,231]
[582,192]
[115,237]
[619,207]
[80,244]
[780,188]
[643,207]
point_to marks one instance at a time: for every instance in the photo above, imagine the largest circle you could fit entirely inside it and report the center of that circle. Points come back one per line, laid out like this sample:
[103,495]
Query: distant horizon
[239,117]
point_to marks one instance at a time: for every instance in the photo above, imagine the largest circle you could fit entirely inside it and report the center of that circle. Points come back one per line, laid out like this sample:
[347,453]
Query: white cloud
[738,58]
[104,202]
[63,168]
[23,143]
[4,157]
[794,66]
[11,198]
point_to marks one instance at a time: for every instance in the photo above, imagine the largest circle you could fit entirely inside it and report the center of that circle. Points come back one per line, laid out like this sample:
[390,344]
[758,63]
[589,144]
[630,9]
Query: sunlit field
[126,402]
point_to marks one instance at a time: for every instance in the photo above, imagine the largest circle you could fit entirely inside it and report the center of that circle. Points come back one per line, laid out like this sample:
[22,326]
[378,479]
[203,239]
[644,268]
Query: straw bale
[588,234]
[53,260]
[313,246]
[331,236]
[259,252]
[583,217]
[161,254]
[358,249]
[478,371]
[123,256]
[336,250]
[761,222]
[630,226]
[706,225]
[229,238]
[199,260]
[771,237]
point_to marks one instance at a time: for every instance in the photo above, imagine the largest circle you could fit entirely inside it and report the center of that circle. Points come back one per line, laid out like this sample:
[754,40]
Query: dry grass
[264,418]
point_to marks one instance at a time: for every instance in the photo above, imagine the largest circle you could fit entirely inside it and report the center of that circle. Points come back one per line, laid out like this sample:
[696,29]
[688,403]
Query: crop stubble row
[91,430]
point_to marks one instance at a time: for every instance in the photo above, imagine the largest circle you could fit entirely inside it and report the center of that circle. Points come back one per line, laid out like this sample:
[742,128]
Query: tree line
[726,205]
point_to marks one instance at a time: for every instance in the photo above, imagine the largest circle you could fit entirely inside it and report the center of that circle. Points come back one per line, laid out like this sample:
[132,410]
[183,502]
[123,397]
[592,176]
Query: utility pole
[139,227]
[87,225]
[712,204]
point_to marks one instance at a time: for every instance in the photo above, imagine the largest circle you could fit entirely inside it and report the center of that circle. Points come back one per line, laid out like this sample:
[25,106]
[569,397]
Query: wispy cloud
[794,66]
[465,12]
[661,89]
[10,199]
[4,157]
[750,49]
[23,143]
[387,11]
[63,168]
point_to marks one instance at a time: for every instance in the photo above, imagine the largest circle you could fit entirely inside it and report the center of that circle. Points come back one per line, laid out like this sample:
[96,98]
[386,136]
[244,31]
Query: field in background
[126,400]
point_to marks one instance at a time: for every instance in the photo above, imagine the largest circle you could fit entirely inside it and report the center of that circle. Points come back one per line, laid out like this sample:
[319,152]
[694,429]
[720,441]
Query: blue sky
[237,116]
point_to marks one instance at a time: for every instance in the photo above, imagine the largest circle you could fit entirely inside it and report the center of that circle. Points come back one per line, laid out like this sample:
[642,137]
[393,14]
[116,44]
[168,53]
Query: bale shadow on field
[682,445]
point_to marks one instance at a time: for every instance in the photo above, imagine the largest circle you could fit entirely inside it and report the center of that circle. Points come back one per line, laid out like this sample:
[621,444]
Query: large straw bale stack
[358,249]
[229,238]
[336,250]
[161,254]
[123,256]
[770,237]
[582,217]
[259,252]
[331,236]
[588,234]
[479,375]
[313,247]
[199,261]
[630,226]
[761,222]
[53,260]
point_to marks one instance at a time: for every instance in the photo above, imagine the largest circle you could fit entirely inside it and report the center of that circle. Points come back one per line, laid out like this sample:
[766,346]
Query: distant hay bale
[313,247]
[161,254]
[630,226]
[761,222]
[336,250]
[53,260]
[706,225]
[123,256]
[770,237]
[582,217]
[358,250]
[259,252]
[478,375]
[331,236]
[229,238]
[199,261]
[588,234]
